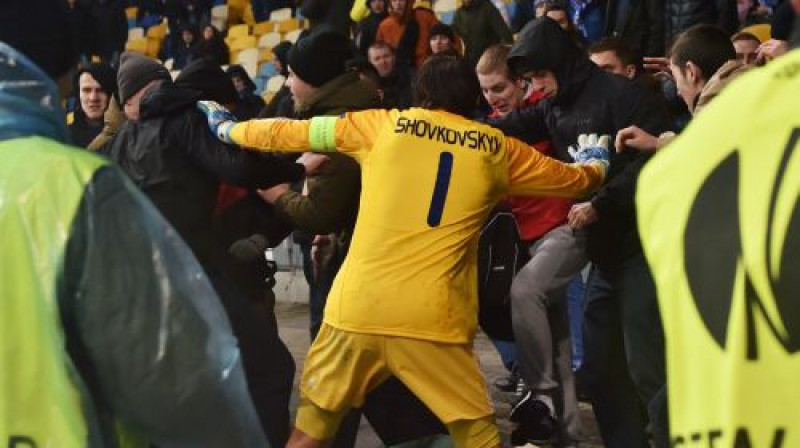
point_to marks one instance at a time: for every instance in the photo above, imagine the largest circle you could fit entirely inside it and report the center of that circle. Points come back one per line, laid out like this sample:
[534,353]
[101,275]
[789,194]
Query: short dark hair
[707,46]
[447,82]
[619,47]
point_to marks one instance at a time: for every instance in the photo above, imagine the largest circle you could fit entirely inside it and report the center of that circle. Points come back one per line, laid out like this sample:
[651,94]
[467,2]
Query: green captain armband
[322,134]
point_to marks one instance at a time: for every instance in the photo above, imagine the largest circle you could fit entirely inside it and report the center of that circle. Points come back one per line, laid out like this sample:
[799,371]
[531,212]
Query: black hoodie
[178,163]
[588,100]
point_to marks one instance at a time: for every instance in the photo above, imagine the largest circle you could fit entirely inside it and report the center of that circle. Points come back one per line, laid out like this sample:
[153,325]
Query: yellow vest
[719,220]
[41,186]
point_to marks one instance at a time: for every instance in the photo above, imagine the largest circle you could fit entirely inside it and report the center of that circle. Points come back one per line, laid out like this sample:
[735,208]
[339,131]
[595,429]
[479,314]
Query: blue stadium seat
[268,70]
[447,17]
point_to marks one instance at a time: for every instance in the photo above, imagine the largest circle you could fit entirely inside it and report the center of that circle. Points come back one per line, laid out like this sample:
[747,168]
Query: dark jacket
[367,30]
[480,26]
[679,15]
[248,104]
[639,23]
[332,200]
[397,88]
[589,100]
[171,155]
[334,13]
[111,27]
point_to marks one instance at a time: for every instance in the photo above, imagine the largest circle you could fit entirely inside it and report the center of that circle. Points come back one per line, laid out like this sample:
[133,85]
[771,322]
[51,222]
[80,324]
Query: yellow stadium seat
[131,12]
[248,16]
[762,31]
[262,28]
[153,47]
[238,31]
[157,31]
[288,25]
[240,43]
[268,96]
[266,55]
[138,45]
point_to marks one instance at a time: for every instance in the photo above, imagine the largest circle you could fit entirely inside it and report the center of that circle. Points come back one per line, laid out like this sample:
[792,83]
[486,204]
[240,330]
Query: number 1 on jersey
[440,188]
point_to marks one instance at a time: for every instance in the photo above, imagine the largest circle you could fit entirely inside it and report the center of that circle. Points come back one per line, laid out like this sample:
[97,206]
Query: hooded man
[167,151]
[249,104]
[584,98]
[479,24]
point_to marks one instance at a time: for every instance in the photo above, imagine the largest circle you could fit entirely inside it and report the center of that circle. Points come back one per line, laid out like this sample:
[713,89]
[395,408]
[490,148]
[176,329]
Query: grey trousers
[541,325]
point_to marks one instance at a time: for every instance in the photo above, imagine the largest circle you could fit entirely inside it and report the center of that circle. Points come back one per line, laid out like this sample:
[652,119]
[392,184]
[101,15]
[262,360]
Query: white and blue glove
[220,120]
[591,149]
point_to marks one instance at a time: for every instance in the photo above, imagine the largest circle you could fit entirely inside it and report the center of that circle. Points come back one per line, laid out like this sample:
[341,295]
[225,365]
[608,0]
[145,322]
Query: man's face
[608,61]
[746,51]
[544,81]
[383,61]
[503,94]
[238,83]
[377,6]
[398,6]
[687,82]
[94,100]
[440,43]
[301,90]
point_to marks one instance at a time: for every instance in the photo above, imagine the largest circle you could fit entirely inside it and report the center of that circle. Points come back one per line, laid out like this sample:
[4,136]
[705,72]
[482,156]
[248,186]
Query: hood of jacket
[543,45]
[29,100]
[343,93]
[167,99]
[727,73]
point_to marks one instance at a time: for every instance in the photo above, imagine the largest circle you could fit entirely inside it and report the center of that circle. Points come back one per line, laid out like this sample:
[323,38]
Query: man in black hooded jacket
[166,149]
[585,99]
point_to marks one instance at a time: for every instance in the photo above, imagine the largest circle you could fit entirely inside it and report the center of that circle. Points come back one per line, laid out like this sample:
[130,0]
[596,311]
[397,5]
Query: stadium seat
[445,5]
[131,12]
[137,45]
[446,17]
[262,28]
[153,47]
[219,17]
[135,33]
[251,67]
[269,40]
[292,36]
[241,43]
[157,31]
[248,55]
[267,70]
[267,96]
[288,25]
[260,82]
[237,31]
[266,54]
[280,15]
[275,83]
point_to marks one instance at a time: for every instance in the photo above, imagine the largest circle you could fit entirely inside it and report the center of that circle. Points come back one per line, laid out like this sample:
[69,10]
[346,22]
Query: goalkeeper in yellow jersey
[405,300]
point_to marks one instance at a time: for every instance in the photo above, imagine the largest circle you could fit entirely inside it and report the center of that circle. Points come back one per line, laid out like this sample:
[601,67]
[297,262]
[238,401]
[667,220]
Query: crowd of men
[140,302]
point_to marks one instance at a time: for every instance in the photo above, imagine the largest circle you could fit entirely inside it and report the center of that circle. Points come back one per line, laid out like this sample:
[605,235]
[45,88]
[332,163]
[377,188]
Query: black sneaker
[507,383]
[535,422]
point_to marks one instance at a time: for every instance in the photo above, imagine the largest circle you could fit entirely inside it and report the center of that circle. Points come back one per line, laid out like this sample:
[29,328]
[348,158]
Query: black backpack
[501,253]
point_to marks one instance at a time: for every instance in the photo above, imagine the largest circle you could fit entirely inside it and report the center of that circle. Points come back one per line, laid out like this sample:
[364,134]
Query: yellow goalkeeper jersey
[429,181]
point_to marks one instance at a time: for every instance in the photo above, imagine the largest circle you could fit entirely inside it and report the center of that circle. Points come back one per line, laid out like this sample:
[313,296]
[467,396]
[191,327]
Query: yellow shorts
[342,367]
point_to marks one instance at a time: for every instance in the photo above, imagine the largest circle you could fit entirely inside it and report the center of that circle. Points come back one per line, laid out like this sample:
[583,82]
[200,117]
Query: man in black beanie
[166,149]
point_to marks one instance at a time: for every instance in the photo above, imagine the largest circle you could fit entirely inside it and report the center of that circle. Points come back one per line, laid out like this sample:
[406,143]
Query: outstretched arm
[352,133]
